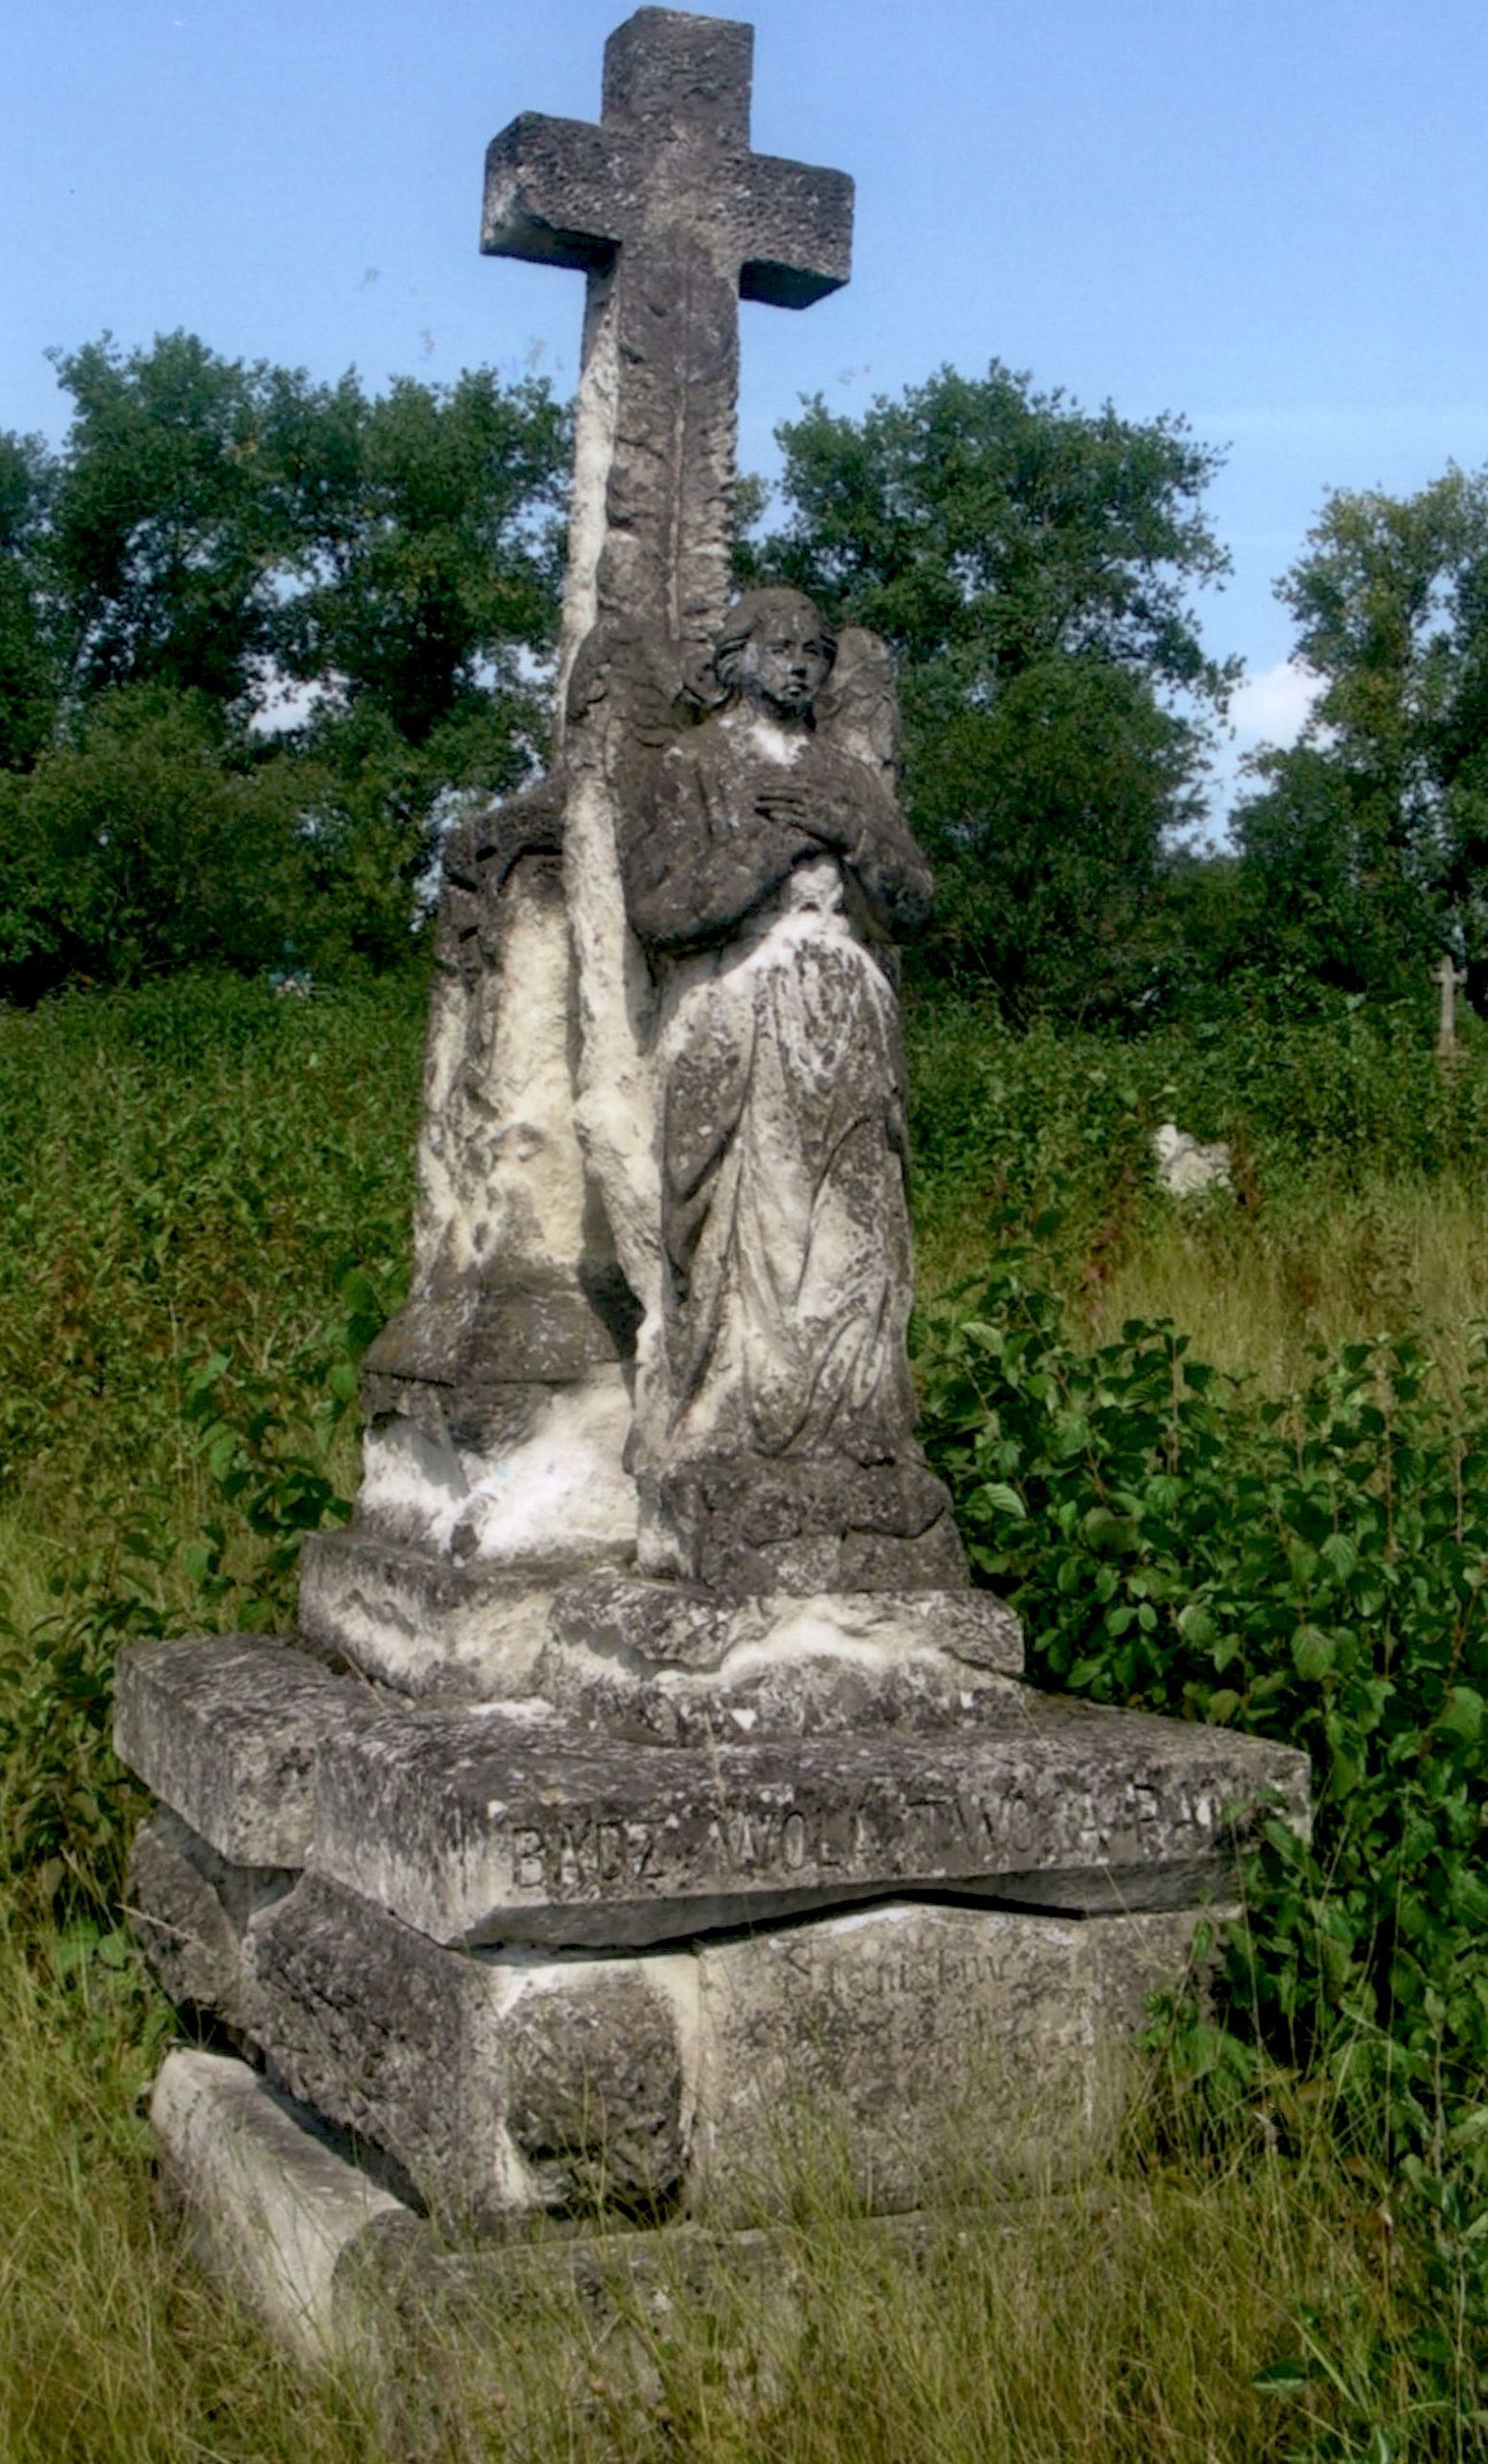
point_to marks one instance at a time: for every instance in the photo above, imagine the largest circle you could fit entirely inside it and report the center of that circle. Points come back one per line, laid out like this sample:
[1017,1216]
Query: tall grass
[1194,2302]
[207,1193]
[1359,1169]
[187,1171]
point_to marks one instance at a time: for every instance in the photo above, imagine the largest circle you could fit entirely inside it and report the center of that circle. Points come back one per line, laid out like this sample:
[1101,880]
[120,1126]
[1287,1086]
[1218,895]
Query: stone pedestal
[530,1966]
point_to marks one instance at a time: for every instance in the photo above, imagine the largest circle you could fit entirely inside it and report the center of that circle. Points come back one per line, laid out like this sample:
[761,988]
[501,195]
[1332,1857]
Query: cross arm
[550,193]
[794,224]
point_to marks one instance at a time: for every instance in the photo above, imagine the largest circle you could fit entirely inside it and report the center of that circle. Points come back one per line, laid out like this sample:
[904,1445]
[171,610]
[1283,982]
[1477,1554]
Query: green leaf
[1463,1715]
[1311,1652]
[1281,2379]
[1340,1552]
[1002,1498]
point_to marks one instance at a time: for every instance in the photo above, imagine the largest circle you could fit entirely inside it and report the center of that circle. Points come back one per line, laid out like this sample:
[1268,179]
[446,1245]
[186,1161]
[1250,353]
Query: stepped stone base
[500,2085]
[671,1663]
[537,1968]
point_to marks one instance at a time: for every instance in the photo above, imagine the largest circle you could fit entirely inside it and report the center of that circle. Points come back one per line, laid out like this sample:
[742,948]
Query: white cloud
[1273,704]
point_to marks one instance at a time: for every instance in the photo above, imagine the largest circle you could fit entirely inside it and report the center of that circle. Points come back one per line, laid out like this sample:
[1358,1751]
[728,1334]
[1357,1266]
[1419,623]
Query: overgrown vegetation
[259,636]
[1289,2257]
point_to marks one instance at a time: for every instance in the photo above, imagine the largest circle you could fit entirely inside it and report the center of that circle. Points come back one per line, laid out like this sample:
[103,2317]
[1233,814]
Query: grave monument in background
[646,1786]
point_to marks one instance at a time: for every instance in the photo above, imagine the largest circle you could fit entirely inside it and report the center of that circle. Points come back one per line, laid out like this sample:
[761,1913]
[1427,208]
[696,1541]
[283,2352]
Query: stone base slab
[515,1825]
[191,1910]
[891,2050]
[225,1732]
[432,1627]
[501,2086]
[475,1830]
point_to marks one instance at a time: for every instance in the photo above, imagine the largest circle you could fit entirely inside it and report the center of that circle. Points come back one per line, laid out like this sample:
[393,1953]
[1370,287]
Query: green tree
[1366,844]
[431,562]
[339,607]
[28,665]
[1032,564]
[136,846]
[167,538]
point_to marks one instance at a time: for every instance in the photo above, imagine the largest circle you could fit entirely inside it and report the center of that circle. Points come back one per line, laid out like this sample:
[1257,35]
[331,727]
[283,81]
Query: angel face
[776,652]
[786,667]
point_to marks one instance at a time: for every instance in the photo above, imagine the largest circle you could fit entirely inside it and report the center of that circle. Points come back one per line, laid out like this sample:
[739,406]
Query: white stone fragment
[562,1490]
[274,2209]
[1184,1165]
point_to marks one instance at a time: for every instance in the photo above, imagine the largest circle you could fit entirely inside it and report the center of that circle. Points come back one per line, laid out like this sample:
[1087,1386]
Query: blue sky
[1271,217]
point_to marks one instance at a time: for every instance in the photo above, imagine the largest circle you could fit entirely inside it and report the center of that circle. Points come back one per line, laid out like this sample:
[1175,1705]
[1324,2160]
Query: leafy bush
[210,1221]
[1312,1569]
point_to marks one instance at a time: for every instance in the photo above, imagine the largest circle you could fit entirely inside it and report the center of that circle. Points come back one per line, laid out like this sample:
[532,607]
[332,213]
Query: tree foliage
[28,677]
[1365,845]
[1032,564]
[254,631]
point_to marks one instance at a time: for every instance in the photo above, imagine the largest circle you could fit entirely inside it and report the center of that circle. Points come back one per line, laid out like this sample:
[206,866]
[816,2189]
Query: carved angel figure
[767,868]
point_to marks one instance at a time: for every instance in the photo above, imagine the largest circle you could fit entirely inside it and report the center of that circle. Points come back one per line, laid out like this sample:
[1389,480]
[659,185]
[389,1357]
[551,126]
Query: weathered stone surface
[225,1729]
[598,2056]
[565,193]
[766,867]
[914,2047]
[898,2036]
[496,1405]
[641,1623]
[535,1241]
[189,1909]
[335,2266]
[751,1524]
[674,1663]
[499,2086]
[480,1827]
[668,166]
[275,2210]
[372,2025]
[457,1630]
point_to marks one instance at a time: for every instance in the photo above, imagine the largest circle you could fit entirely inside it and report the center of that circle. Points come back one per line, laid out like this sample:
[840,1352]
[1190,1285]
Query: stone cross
[674,219]
[1449,978]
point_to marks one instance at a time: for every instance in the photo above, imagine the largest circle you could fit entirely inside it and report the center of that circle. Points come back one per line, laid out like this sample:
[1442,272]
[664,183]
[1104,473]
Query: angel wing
[858,712]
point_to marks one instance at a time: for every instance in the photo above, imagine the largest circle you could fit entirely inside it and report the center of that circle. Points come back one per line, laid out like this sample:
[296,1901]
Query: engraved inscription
[700,1848]
[574,1857]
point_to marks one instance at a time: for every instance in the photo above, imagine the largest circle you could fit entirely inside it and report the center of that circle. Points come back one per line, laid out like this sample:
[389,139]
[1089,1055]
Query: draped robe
[765,871]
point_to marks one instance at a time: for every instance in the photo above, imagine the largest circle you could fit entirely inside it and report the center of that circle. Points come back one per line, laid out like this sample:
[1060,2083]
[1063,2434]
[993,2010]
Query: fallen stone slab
[335,2266]
[275,2210]
[477,1828]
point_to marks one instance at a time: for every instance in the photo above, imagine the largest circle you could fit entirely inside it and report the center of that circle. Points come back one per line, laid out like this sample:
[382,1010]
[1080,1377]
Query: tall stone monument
[647,1782]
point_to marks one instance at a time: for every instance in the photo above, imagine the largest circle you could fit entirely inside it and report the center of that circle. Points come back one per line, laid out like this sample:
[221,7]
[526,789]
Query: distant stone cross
[1449,978]
[674,219]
